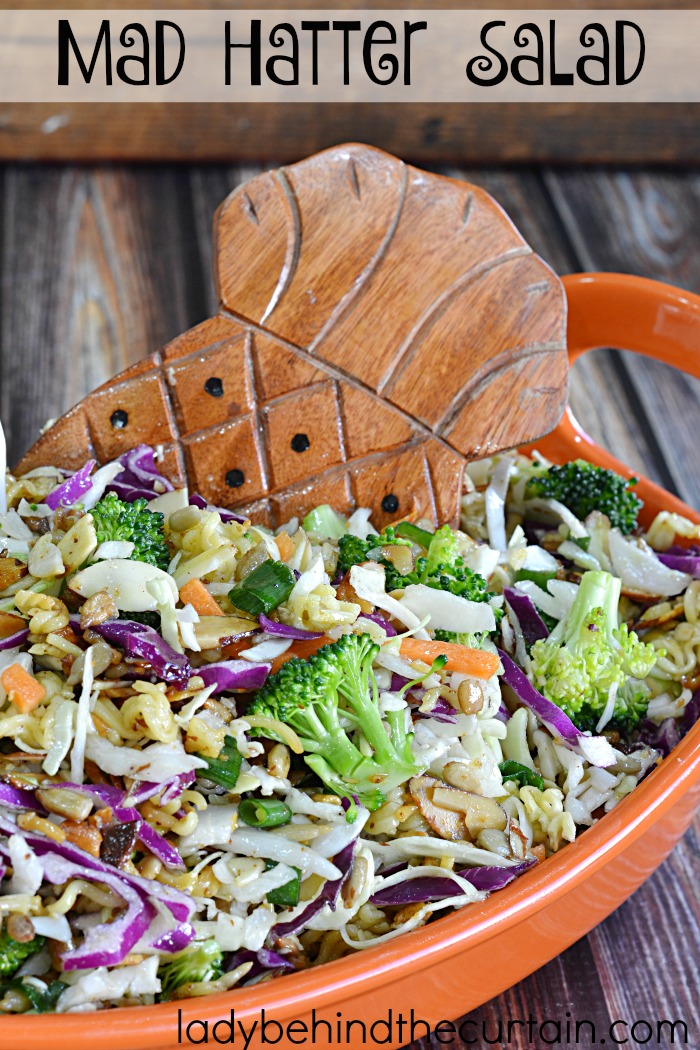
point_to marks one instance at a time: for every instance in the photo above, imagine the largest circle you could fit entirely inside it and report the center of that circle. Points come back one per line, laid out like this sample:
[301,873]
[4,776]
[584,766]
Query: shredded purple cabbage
[151,839]
[503,714]
[226,515]
[682,559]
[597,749]
[234,674]
[179,904]
[328,895]
[381,621]
[72,490]
[18,798]
[175,940]
[491,878]
[140,478]
[13,640]
[670,732]
[531,623]
[692,712]
[534,531]
[441,711]
[662,738]
[281,630]
[168,790]
[107,944]
[398,681]
[264,961]
[145,643]
[436,888]
[552,716]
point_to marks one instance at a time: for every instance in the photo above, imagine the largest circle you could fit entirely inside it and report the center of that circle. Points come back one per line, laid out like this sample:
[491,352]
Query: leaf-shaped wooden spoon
[378,327]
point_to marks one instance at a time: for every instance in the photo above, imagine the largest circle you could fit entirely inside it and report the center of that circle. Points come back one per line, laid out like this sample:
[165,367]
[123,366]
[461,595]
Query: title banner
[349,56]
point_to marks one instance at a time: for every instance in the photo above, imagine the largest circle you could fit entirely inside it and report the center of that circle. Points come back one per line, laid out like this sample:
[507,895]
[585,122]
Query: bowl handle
[628,313]
[633,313]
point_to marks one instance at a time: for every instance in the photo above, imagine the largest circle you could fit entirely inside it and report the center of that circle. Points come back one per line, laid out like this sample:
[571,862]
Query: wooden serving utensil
[378,327]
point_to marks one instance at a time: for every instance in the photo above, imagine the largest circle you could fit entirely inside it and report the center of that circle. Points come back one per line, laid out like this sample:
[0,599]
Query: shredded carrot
[284,545]
[22,688]
[475,662]
[684,541]
[195,594]
[85,836]
[302,649]
[539,852]
[231,650]
[95,774]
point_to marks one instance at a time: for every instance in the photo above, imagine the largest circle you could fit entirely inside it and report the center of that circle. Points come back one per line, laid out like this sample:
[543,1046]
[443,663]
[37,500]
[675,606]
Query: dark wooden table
[102,264]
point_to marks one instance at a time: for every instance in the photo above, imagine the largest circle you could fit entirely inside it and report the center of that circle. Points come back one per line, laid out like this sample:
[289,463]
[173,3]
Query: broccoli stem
[597,590]
[319,697]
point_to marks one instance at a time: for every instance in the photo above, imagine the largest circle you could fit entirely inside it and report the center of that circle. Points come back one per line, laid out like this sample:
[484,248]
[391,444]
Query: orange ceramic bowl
[460,961]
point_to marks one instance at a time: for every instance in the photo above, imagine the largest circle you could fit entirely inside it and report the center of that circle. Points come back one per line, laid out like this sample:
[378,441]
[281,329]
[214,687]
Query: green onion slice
[225,769]
[525,777]
[264,812]
[414,533]
[287,896]
[264,588]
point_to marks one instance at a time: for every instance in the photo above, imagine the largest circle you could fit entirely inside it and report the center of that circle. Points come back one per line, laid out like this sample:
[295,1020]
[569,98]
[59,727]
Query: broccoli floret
[327,700]
[626,717]
[442,567]
[13,953]
[116,520]
[443,551]
[353,551]
[587,655]
[455,578]
[583,487]
[198,963]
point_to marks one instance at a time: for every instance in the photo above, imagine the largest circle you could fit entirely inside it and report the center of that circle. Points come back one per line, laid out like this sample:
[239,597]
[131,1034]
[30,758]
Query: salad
[228,754]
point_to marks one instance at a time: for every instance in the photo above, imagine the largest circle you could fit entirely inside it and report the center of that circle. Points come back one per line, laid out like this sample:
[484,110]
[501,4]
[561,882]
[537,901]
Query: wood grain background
[486,133]
[101,264]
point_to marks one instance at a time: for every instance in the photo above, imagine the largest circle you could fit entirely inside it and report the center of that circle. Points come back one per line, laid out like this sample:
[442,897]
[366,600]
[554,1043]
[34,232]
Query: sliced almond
[19,928]
[214,631]
[479,811]
[659,614]
[448,823]
[461,775]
